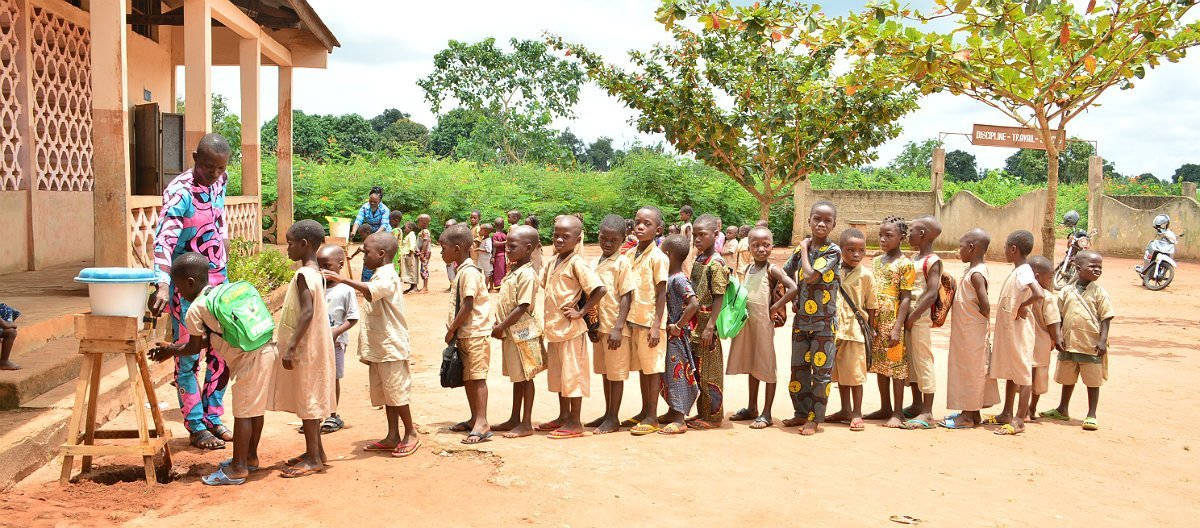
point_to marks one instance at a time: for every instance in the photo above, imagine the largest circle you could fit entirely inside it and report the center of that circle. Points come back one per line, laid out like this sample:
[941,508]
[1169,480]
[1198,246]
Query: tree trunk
[764,208]
[1049,218]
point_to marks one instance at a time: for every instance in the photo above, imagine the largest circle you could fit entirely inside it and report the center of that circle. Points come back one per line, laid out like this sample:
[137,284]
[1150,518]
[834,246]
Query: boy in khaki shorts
[469,322]
[383,342]
[520,330]
[251,372]
[611,349]
[565,280]
[648,268]
[850,364]
[918,326]
[1087,312]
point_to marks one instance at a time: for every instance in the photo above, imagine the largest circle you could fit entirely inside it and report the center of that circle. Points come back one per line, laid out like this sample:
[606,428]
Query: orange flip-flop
[403,450]
[560,434]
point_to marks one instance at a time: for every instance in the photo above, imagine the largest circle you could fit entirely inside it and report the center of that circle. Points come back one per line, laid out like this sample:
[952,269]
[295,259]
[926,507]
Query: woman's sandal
[332,424]
[761,422]
[222,432]
[205,440]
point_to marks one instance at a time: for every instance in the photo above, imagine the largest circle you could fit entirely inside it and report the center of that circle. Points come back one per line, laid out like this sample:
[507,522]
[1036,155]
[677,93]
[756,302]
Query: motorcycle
[1079,240]
[1158,269]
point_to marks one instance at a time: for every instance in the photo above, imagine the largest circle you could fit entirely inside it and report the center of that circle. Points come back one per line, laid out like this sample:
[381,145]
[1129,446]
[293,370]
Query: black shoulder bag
[451,373]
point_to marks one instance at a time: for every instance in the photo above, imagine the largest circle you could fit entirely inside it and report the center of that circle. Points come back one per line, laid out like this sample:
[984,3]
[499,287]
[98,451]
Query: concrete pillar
[250,59]
[110,134]
[937,177]
[800,193]
[285,210]
[1095,197]
[1188,189]
[23,61]
[197,73]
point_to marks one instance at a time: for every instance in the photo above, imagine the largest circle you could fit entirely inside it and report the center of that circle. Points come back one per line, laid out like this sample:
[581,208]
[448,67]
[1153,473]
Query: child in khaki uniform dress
[520,330]
[1012,347]
[1087,312]
[469,321]
[1047,330]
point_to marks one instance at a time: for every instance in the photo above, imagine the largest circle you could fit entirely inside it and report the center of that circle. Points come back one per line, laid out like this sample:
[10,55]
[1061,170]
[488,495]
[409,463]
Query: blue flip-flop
[229,462]
[219,478]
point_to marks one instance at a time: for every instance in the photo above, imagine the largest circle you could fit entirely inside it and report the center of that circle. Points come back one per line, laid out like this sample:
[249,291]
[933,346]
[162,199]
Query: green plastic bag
[245,320]
[733,310]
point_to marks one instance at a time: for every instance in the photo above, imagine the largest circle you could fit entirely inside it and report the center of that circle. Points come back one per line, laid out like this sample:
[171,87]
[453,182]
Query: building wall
[965,211]
[67,235]
[862,209]
[150,69]
[1126,230]
[14,231]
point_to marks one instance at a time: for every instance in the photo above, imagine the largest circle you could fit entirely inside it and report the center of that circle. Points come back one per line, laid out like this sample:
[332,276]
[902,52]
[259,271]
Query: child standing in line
[499,247]
[1012,349]
[648,267]
[1047,330]
[485,253]
[894,277]
[815,264]
[610,351]
[343,315]
[520,331]
[968,388]
[709,278]
[680,387]
[252,372]
[8,336]
[753,348]
[1087,313]
[452,267]
[537,258]
[743,248]
[729,250]
[383,344]
[918,326]
[408,255]
[565,280]
[857,301]
[470,325]
[424,247]
[306,379]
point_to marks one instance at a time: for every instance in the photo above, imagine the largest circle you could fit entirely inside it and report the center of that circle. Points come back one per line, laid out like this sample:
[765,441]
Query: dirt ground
[1139,469]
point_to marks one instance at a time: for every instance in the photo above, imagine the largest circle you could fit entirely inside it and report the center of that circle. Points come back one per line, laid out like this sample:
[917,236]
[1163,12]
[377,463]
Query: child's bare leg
[651,384]
[1018,419]
[1064,402]
[768,399]
[885,399]
[926,405]
[311,459]
[393,427]
[614,393]
[256,427]
[1010,393]
[514,419]
[477,394]
[856,393]
[1093,400]
[7,337]
[897,418]
[751,410]
[242,433]
[573,422]
[410,431]
[607,397]
[844,413]
[913,410]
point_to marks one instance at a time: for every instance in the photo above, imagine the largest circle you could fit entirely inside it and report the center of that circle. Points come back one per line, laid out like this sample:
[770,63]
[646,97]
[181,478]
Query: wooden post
[1095,197]
[285,210]
[249,54]
[110,134]
[937,177]
[197,73]
[800,194]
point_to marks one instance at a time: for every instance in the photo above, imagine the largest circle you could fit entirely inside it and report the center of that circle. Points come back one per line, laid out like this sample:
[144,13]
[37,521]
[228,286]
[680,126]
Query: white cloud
[387,46]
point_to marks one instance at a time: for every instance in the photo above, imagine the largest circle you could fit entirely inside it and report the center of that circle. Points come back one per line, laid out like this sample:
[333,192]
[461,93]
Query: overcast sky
[387,46]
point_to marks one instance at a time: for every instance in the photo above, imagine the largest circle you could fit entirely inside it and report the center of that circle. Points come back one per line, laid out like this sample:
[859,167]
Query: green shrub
[266,270]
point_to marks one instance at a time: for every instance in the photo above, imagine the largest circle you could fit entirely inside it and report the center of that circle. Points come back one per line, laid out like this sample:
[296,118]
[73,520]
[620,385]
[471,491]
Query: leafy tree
[1029,165]
[960,167]
[380,122]
[1040,62]
[518,92]
[572,144]
[760,103]
[403,132]
[452,127]
[323,137]
[916,156]
[1188,172]
[600,154]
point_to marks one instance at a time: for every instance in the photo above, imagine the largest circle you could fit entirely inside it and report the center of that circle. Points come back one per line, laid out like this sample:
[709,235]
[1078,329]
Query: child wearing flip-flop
[1047,329]
[565,279]
[752,350]
[383,343]
[894,277]
[918,325]
[1013,331]
[680,386]
[1087,313]
[252,372]
[850,367]
[470,327]
[610,350]
[648,267]
[343,315]
[307,374]
[968,388]
[519,329]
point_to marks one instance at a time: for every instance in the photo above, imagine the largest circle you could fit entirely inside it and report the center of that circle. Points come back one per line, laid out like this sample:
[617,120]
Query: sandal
[222,432]
[404,450]
[951,422]
[1006,430]
[761,422]
[914,423]
[743,415]
[205,440]
[375,446]
[293,472]
[1053,414]
[643,429]
[562,434]
[857,425]
[1090,424]
[332,424]
[697,423]
[477,438]
[219,478]
[673,429]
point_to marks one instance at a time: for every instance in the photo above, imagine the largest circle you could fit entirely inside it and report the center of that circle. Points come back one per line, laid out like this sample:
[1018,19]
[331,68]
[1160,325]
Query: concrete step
[56,362]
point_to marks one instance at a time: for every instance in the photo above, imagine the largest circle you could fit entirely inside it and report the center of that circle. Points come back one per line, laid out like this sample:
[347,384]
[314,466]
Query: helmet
[1071,218]
[1162,221]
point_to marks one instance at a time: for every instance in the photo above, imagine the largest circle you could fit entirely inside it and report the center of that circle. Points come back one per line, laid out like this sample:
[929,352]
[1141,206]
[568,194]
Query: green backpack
[245,320]
[733,310]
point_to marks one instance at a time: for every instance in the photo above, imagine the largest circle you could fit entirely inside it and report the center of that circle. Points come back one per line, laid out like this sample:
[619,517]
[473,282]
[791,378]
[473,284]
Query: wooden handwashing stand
[100,335]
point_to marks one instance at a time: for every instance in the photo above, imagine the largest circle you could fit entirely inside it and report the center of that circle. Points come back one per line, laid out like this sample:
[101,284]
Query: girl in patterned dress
[679,385]
[894,277]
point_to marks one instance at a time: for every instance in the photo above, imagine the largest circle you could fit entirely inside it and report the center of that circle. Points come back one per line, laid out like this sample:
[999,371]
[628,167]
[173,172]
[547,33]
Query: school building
[89,133]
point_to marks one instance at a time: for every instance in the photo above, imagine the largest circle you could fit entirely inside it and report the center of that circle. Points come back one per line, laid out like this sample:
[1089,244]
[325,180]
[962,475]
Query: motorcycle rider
[1163,242]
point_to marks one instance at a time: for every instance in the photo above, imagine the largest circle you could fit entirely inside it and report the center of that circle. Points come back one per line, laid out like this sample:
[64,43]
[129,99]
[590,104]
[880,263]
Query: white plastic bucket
[339,227]
[118,299]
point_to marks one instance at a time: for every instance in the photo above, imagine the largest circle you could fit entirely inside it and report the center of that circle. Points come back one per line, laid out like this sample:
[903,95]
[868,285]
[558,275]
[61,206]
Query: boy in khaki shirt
[850,363]
[565,280]
[1087,312]
[1047,330]
[520,330]
[611,347]
[648,268]
[383,342]
[469,322]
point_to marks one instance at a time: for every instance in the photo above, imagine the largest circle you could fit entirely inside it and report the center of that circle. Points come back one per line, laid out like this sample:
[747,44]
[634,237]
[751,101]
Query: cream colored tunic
[308,388]
[1012,345]
[614,273]
[753,349]
[859,285]
[968,387]
[1082,314]
[470,282]
[1045,315]
[564,283]
[646,271]
[383,330]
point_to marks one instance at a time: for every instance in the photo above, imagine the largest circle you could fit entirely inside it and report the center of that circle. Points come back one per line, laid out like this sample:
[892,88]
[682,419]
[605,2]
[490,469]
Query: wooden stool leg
[151,397]
[139,411]
[89,437]
[77,414]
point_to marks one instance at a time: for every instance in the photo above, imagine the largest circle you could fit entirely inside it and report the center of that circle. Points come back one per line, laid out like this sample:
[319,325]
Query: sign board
[1013,137]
